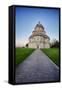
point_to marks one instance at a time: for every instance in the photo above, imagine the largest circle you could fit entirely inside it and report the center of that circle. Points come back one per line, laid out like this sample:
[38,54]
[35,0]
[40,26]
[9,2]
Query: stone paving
[37,68]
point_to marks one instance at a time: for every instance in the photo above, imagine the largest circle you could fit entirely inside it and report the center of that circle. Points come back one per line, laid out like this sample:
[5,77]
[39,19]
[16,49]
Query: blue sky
[27,18]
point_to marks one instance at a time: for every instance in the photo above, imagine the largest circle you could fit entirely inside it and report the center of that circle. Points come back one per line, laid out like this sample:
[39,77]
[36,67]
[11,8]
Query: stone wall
[39,42]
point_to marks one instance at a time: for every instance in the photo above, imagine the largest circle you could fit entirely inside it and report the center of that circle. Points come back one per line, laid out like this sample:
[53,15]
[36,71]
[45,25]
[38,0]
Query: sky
[27,18]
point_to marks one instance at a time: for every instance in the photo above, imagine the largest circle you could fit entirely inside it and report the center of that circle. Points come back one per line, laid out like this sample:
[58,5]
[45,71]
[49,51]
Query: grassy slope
[52,53]
[22,53]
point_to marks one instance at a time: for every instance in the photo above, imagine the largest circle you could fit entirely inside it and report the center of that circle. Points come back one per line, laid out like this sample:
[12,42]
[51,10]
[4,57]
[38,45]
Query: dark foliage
[55,44]
[27,45]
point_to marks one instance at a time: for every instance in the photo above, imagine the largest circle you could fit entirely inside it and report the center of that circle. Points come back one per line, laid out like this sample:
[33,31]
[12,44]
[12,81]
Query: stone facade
[39,39]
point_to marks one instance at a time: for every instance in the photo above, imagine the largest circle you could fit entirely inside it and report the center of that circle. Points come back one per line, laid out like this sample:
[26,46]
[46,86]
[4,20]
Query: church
[39,38]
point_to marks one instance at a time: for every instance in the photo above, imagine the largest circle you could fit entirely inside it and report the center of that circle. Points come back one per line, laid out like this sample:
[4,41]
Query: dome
[39,31]
[39,25]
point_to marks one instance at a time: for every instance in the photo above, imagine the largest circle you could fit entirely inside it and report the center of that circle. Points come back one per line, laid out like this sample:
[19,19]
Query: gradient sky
[27,18]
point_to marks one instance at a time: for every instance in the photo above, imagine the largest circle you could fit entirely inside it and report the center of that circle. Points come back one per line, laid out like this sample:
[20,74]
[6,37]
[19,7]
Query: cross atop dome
[39,22]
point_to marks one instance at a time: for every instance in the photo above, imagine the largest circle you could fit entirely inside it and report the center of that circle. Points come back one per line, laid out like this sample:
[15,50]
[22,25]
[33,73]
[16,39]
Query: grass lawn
[22,53]
[53,54]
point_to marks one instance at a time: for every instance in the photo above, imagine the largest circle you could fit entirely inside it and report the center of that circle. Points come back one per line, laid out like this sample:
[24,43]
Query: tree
[55,44]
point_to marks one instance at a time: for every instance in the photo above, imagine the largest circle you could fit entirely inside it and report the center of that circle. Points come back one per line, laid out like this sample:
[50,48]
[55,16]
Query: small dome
[38,29]
[39,25]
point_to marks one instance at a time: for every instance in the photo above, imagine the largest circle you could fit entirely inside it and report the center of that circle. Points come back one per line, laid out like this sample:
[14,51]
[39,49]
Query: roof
[45,36]
[39,25]
[39,32]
